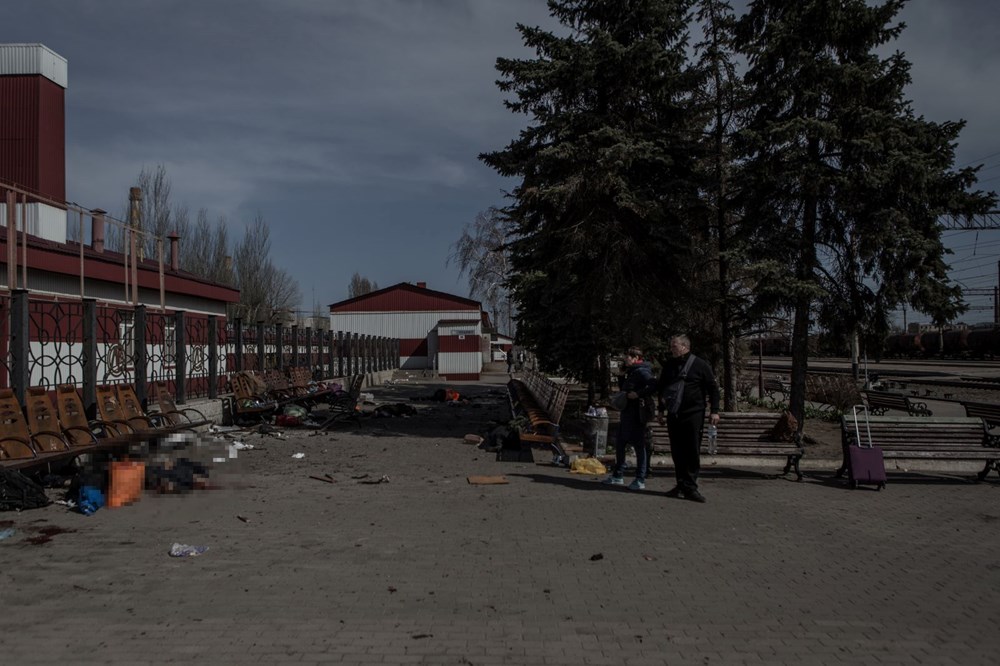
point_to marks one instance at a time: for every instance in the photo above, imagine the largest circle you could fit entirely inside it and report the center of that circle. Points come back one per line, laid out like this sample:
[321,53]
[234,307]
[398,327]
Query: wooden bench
[44,439]
[879,402]
[775,385]
[540,401]
[247,406]
[990,414]
[924,438]
[742,434]
[301,381]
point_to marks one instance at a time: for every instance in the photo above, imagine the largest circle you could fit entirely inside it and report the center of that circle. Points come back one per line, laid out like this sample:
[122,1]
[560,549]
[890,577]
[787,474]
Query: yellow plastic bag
[588,466]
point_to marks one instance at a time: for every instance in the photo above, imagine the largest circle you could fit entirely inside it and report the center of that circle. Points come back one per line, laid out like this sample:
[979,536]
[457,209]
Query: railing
[46,342]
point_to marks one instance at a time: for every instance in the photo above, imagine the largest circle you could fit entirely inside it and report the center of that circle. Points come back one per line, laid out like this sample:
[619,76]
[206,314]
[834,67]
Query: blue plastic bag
[91,499]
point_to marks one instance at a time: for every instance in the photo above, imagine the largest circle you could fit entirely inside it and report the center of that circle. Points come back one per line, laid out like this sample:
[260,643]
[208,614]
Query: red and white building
[56,251]
[436,330]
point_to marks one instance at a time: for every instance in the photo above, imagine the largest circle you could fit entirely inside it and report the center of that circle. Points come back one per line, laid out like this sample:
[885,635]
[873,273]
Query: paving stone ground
[551,568]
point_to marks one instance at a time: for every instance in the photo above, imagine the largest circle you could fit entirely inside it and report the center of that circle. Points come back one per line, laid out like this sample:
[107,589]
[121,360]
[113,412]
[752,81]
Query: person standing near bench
[684,412]
[639,386]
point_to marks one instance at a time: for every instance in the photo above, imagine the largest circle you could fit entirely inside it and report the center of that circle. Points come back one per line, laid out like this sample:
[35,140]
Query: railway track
[937,380]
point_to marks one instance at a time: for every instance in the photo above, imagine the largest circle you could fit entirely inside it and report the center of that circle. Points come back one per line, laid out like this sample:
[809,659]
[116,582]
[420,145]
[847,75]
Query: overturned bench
[743,434]
[924,438]
[540,401]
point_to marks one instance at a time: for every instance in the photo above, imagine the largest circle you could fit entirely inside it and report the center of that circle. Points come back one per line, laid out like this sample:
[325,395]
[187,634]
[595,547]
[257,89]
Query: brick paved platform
[428,569]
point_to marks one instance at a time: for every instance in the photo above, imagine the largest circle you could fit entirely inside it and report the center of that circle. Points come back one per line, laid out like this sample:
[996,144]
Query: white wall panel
[403,325]
[33,59]
[460,363]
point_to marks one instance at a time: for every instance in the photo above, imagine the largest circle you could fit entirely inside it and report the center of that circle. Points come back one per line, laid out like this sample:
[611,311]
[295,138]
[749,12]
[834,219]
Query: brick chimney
[422,285]
[175,251]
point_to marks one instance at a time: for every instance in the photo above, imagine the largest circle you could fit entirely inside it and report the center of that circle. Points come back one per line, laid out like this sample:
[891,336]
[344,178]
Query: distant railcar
[903,345]
[984,342]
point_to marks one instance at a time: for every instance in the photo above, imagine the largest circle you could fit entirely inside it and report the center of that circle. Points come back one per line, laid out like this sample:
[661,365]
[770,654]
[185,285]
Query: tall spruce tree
[607,177]
[722,97]
[845,184]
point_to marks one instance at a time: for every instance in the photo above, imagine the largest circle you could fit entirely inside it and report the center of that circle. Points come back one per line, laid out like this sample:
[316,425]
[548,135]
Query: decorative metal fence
[46,342]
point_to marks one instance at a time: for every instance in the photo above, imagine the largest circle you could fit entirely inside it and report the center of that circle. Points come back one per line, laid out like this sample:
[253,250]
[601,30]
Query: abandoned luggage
[866,465]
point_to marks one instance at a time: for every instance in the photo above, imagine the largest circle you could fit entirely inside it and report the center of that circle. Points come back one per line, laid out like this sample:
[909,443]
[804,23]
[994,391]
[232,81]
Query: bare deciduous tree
[360,286]
[267,293]
[204,249]
[481,253]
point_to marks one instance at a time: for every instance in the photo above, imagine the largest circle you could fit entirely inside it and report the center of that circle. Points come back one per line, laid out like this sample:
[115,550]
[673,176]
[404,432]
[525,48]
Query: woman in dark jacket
[639,386]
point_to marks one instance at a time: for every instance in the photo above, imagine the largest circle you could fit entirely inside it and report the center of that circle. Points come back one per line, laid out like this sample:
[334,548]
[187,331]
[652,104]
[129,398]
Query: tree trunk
[805,273]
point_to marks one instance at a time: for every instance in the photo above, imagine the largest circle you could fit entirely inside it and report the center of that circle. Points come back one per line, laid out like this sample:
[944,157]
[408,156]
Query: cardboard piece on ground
[488,480]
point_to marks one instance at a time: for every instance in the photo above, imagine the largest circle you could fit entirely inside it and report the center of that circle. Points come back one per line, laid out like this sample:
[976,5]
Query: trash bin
[596,433]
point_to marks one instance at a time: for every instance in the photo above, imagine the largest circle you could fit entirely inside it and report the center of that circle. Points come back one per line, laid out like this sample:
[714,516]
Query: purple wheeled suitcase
[865,462]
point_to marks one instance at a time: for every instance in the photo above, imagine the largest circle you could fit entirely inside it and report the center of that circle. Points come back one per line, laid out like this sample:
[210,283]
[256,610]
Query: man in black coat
[682,407]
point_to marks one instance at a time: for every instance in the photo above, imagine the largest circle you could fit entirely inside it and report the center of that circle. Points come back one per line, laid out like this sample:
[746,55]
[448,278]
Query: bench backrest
[735,428]
[547,394]
[15,440]
[908,433]
[884,398]
[981,410]
[108,406]
[43,424]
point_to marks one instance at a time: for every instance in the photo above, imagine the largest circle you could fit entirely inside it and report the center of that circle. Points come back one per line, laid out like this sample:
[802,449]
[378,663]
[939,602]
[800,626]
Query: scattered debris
[184,550]
[588,466]
[243,518]
[487,480]
[7,533]
[391,589]
[298,456]
[327,478]
[382,479]
[596,556]
[473,439]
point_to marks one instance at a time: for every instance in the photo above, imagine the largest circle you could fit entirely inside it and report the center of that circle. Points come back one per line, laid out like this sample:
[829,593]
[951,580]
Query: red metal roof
[405,297]
[62,258]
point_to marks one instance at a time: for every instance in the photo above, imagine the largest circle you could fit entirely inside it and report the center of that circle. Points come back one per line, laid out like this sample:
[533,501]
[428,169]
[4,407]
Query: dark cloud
[354,125]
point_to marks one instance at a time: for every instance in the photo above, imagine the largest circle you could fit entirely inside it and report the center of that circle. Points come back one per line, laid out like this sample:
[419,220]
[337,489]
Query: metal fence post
[213,356]
[295,345]
[329,353]
[19,343]
[180,356]
[279,344]
[260,347]
[309,349]
[89,357]
[356,354]
[238,343]
[139,352]
[340,355]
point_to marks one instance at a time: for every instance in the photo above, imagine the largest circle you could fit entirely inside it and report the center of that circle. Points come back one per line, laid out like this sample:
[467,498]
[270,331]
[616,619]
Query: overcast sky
[353,126]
